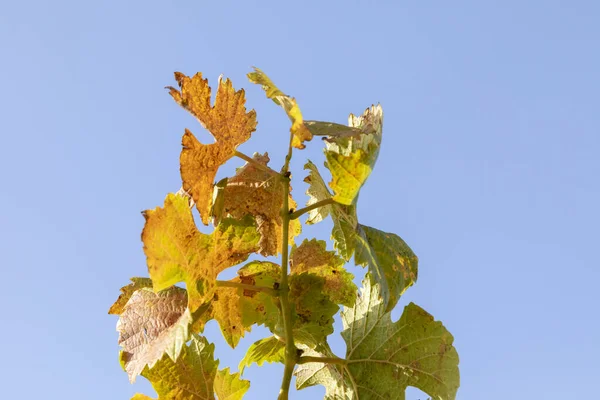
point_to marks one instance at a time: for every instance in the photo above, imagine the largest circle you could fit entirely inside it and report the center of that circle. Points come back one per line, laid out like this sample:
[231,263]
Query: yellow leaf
[299,130]
[257,192]
[177,252]
[227,121]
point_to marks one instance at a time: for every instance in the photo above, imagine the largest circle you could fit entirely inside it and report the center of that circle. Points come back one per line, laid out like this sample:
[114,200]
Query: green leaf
[311,256]
[190,377]
[344,217]
[384,357]
[352,158]
[176,251]
[126,292]
[150,325]
[391,262]
[229,386]
[268,350]
[299,131]
[337,382]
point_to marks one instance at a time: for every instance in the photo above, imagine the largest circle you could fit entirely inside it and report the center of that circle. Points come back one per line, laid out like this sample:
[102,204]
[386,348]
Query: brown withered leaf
[227,121]
[127,291]
[257,192]
[150,325]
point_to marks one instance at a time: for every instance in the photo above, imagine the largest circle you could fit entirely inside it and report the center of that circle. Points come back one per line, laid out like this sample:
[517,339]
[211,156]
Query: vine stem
[326,360]
[291,356]
[322,203]
[273,292]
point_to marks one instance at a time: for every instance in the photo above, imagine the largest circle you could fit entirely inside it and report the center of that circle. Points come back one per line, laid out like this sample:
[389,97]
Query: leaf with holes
[227,121]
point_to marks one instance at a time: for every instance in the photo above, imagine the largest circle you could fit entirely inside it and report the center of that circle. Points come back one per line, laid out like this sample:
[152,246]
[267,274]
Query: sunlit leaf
[383,357]
[311,256]
[259,193]
[139,396]
[150,325]
[177,252]
[237,310]
[299,131]
[227,121]
[352,158]
[391,262]
[331,129]
[268,350]
[338,384]
[344,217]
[229,386]
[190,377]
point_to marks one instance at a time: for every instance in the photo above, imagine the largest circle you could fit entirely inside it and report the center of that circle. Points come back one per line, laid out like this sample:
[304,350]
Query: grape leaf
[127,291]
[150,325]
[337,382]
[384,357]
[259,193]
[299,130]
[229,386]
[227,121]
[190,377]
[268,350]
[236,310]
[312,256]
[344,217]
[352,158]
[391,262]
[176,251]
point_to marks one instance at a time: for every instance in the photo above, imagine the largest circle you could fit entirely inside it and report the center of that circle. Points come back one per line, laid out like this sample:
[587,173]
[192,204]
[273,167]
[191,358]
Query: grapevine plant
[160,324]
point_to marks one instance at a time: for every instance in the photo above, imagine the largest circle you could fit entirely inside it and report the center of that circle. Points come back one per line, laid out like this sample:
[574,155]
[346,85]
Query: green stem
[273,292]
[297,214]
[326,360]
[291,356]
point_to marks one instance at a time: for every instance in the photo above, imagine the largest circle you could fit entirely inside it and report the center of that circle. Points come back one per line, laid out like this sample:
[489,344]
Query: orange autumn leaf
[227,121]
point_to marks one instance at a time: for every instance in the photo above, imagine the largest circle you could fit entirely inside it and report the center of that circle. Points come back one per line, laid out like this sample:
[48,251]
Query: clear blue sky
[489,170]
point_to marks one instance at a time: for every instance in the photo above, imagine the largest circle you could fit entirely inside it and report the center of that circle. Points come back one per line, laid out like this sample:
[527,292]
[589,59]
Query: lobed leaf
[311,256]
[190,377]
[227,121]
[229,386]
[257,192]
[352,158]
[176,251]
[268,350]
[392,264]
[344,217]
[150,325]
[299,130]
[236,310]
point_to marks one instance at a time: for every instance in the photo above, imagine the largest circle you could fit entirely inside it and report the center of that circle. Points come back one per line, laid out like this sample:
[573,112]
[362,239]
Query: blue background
[489,170]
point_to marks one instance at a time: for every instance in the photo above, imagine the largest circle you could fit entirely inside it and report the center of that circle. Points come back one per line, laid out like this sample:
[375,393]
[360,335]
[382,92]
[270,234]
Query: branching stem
[291,356]
[298,213]
[273,292]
